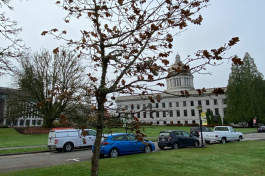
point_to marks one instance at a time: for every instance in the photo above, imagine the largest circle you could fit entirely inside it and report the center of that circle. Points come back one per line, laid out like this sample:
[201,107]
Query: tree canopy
[245,93]
[54,83]
[127,44]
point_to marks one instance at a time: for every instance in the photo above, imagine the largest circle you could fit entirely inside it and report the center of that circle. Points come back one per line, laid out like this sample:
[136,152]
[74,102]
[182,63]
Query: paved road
[26,161]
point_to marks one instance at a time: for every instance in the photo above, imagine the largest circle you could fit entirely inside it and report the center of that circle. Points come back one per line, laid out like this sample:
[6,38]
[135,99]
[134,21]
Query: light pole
[200,110]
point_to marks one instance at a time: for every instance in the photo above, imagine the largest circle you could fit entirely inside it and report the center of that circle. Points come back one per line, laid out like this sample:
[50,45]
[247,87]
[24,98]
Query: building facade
[17,114]
[174,106]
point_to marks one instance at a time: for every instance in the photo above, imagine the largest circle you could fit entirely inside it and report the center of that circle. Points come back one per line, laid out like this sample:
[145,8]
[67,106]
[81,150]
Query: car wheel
[147,149]
[175,146]
[113,153]
[223,141]
[240,138]
[59,150]
[196,144]
[207,142]
[68,147]
[161,147]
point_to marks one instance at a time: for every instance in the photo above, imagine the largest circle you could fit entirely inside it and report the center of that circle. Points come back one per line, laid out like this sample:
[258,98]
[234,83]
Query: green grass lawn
[153,131]
[235,159]
[11,138]
[23,150]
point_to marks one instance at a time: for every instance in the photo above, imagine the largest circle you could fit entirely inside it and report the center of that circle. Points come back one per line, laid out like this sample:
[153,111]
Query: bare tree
[128,43]
[13,47]
[52,83]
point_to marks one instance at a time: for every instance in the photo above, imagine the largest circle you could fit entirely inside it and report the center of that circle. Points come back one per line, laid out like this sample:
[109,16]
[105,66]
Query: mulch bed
[34,130]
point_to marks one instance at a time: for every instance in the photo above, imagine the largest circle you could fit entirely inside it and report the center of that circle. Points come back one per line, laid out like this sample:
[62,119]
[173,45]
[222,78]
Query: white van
[69,138]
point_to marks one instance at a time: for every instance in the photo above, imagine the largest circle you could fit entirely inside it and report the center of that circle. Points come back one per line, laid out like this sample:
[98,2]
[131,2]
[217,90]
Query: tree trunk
[250,123]
[97,145]
[96,153]
[48,123]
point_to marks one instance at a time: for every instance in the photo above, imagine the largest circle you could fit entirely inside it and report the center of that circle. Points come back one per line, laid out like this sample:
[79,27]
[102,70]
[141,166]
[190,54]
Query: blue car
[117,144]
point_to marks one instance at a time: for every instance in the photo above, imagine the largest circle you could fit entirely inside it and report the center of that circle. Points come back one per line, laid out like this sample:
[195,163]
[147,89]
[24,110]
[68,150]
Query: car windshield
[164,134]
[103,139]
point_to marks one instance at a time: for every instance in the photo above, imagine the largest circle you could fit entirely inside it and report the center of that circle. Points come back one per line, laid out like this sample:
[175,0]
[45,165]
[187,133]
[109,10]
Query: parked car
[261,129]
[222,134]
[176,139]
[196,131]
[69,138]
[117,144]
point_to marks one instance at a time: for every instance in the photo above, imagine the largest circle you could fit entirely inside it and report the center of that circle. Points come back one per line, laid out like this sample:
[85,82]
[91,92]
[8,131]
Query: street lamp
[200,110]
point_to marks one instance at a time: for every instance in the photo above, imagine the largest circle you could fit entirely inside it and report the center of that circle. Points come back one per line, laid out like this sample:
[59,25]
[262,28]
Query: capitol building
[174,107]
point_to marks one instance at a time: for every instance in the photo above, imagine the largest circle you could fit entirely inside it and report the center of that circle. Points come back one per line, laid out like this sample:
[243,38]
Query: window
[215,101]
[33,122]
[138,115]
[157,114]
[199,102]
[184,103]
[186,122]
[177,104]
[191,103]
[132,115]
[165,122]
[178,113]
[27,122]
[163,105]
[185,113]
[170,104]
[207,102]
[157,105]
[138,106]
[209,111]
[193,121]
[224,110]
[21,122]
[178,122]
[171,113]
[151,115]
[185,133]
[216,111]
[144,114]
[192,112]
[157,122]
[164,113]
[224,101]
[144,106]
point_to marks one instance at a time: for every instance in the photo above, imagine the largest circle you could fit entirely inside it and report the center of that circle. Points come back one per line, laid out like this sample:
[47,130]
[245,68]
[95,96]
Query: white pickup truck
[222,134]
[69,138]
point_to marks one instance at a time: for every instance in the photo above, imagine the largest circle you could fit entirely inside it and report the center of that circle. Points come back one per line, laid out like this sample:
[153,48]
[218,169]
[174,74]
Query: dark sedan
[261,129]
[176,139]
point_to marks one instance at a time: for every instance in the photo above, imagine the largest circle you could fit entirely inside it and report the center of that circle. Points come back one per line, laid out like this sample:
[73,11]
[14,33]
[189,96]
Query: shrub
[3,126]
[178,124]
[192,124]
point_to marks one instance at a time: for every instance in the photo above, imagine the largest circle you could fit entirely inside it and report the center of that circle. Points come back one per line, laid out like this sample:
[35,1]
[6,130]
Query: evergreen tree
[212,118]
[245,93]
[208,119]
[219,120]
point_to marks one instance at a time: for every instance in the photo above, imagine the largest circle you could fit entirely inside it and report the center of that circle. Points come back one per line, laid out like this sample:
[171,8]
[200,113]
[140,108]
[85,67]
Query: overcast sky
[222,20]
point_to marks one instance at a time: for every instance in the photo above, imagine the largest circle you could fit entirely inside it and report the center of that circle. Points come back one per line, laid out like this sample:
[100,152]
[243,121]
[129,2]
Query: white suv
[68,139]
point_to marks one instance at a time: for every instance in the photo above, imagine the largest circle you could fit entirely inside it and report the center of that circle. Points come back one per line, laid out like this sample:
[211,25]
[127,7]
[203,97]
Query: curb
[22,153]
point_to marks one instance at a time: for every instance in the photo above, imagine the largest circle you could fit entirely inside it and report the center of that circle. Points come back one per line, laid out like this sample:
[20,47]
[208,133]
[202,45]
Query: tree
[212,118]
[52,83]
[13,47]
[219,120]
[208,119]
[131,40]
[245,93]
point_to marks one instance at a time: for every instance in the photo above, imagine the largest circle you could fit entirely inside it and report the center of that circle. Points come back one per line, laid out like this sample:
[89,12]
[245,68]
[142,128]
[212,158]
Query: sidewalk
[10,148]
